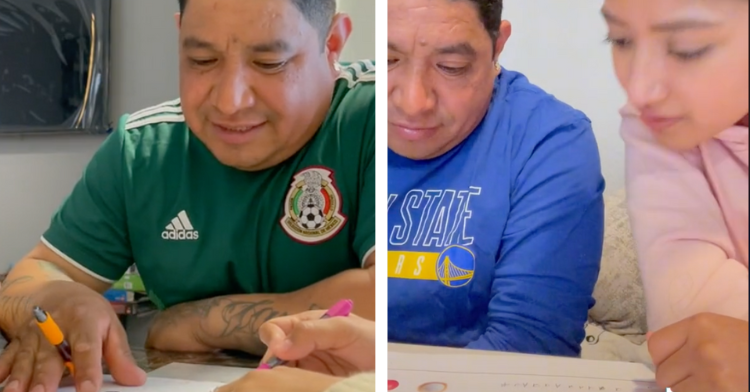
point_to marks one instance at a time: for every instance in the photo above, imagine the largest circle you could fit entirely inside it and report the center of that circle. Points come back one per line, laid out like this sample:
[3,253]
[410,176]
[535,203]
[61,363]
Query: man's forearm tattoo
[240,319]
[244,318]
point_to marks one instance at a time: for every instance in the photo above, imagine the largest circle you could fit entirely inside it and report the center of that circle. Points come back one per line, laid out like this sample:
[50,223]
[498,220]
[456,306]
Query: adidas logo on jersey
[180,229]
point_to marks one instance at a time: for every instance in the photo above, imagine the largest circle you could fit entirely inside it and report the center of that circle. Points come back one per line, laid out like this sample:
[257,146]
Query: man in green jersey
[249,198]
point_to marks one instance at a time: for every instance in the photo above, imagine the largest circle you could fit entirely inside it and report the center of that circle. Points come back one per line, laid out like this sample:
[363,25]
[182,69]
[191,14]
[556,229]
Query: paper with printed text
[414,372]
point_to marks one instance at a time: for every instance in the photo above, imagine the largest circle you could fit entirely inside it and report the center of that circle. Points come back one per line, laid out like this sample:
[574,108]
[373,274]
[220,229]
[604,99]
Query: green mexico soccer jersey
[154,196]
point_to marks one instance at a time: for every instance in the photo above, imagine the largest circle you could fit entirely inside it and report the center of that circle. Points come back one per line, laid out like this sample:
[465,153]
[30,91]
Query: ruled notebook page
[412,372]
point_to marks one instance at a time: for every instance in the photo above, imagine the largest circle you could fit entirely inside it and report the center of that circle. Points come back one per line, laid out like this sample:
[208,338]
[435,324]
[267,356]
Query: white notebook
[411,372]
[212,373]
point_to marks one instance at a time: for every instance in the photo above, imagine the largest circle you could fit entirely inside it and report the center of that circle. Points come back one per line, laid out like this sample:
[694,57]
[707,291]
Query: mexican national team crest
[312,209]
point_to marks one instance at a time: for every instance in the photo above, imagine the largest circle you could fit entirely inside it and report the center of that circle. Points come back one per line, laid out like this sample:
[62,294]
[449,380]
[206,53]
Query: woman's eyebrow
[679,23]
[683,24]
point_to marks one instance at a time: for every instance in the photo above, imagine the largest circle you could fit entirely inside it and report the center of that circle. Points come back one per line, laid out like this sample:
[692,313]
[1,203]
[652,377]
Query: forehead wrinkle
[226,27]
[422,28]
[453,29]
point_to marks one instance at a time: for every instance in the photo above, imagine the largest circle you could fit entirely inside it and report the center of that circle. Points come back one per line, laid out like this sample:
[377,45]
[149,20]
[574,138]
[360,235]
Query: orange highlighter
[55,336]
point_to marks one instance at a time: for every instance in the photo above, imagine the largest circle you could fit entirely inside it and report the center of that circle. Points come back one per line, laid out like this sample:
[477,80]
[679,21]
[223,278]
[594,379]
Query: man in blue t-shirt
[495,210]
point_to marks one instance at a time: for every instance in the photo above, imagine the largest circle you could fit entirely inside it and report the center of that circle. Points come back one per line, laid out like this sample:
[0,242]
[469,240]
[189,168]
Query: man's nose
[233,92]
[414,96]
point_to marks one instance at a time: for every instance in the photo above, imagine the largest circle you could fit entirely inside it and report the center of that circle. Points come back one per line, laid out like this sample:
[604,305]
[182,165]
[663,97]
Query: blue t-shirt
[496,244]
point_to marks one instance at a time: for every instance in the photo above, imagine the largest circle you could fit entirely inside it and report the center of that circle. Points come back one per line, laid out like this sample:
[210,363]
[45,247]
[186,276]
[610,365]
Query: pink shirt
[689,214]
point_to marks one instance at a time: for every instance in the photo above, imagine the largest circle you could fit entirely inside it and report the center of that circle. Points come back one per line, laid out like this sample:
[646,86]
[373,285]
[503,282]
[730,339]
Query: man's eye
[453,71]
[202,62]
[271,66]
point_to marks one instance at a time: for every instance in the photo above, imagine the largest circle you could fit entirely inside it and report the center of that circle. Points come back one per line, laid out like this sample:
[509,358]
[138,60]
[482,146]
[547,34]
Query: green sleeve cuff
[62,245]
[367,250]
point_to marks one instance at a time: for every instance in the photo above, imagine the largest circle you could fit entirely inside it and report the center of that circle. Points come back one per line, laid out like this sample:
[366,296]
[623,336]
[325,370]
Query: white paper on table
[411,372]
[223,374]
[171,376]
[155,384]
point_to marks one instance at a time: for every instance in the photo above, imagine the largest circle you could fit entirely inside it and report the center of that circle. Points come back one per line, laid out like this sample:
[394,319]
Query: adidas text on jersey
[180,229]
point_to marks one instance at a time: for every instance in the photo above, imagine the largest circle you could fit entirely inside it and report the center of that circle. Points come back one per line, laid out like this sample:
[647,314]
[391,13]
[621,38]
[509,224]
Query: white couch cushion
[620,305]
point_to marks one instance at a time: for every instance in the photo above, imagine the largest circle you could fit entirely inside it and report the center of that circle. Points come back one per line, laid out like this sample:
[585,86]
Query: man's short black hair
[318,12]
[491,14]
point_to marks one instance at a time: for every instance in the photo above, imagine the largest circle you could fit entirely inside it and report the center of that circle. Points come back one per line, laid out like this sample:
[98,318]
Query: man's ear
[338,34]
[178,20]
[503,34]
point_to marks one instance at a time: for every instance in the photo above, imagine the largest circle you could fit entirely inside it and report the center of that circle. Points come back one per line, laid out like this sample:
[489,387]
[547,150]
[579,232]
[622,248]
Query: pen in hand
[340,309]
[54,335]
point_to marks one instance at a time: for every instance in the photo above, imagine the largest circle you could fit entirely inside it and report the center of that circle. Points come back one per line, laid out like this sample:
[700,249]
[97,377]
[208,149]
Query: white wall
[36,173]
[361,43]
[560,46]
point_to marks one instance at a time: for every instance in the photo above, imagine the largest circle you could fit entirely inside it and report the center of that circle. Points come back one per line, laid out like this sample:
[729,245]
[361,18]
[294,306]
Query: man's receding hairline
[183,5]
[319,14]
[490,16]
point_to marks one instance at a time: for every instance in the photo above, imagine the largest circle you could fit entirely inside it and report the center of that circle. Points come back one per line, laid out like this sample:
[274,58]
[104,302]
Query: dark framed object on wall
[54,66]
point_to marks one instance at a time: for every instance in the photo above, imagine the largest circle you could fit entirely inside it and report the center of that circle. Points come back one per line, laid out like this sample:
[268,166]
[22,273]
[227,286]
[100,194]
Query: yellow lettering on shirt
[412,265]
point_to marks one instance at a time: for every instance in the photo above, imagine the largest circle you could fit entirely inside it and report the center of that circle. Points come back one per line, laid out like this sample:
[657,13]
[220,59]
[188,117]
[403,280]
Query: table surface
[150,360]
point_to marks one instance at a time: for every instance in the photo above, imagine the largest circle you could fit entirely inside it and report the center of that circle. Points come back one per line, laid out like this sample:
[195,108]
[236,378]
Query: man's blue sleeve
[551,249]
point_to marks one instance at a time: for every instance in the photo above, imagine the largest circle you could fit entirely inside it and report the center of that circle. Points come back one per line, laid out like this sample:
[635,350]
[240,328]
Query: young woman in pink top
[684,65]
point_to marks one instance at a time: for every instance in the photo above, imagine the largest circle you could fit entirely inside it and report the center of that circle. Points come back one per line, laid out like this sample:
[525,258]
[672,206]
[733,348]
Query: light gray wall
[590,86]
[361,43]
[36,173]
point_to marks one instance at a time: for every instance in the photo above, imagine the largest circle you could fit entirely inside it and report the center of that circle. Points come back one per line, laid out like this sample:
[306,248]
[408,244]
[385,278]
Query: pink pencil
[341,309]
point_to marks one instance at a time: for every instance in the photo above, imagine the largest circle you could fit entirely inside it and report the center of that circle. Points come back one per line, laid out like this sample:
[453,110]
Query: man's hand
[706,352]
[281,379]
[339,346]
[92,329]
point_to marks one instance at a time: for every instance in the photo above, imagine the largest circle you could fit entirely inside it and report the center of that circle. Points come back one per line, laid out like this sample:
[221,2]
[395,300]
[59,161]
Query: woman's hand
[281,379]
[706,352]
[338,346]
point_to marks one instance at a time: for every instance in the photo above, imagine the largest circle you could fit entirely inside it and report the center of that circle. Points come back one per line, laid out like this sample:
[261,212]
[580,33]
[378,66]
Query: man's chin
[246,156]
[413,151]
[240,157]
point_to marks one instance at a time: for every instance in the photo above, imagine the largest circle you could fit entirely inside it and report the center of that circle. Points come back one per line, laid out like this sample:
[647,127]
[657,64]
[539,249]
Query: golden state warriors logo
[455,266]
[312,209]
